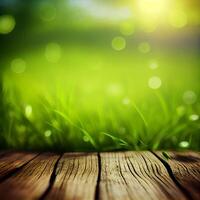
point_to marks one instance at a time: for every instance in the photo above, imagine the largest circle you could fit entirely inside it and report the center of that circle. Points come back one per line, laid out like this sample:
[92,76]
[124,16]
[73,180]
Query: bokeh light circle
[178,19]
[155,82]
[189,97]
[127,28]
[7,24]
[118,43]
[53,52]
[18,65]
[144,47]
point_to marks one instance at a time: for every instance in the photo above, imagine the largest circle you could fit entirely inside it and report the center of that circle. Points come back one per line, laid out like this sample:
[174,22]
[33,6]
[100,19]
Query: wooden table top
[103,176]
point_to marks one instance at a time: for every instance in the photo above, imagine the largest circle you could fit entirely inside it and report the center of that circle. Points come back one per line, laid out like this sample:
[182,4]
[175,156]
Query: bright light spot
[150,7]
[115,89]
[118,43]
[18,65]
[151,13]
[7,24]
[178,19]
[180,110]
[194,117]
[189,97]
[153,65]
[144,47]
[28,111]
[53,52]
[184,144]
[47,133]
[155,82]
[127,28]
[101,10]
[126,101]
[47,11]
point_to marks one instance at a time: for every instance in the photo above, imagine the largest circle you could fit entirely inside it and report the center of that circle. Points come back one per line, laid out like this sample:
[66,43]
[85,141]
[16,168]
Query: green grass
[99,100]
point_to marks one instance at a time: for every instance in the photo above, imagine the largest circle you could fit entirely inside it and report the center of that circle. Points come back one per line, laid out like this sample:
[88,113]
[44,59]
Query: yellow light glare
[152,6]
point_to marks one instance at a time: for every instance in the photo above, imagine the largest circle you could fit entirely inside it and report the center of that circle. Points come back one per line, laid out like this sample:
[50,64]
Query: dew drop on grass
[85,138]
[47,133]
[184,144]
[155,82]
[194,117]
[28,111]
[189,97]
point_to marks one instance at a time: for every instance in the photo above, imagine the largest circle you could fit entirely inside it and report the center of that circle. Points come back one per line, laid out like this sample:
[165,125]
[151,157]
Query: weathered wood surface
[186,170]
[102,176]
[12,161]
[76,177]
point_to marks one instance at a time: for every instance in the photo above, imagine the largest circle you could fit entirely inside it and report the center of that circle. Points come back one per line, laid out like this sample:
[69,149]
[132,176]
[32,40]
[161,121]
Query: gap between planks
[117,175]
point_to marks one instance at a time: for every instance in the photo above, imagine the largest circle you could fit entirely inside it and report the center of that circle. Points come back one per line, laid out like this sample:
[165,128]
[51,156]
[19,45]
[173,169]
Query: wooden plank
[32,180]
[135,175]
[76,177]
[186,169]
[13,160]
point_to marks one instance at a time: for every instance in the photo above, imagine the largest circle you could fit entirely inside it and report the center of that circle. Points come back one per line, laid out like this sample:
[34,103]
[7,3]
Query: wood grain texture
[186,169]
[105,176]
[76,177]
[11,161]
[31,181]
[135,175]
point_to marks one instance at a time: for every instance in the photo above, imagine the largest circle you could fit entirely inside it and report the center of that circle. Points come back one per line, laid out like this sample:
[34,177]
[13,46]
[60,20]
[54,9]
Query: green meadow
[98,86]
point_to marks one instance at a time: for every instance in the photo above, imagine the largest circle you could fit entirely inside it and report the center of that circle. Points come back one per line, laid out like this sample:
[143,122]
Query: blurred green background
[99,75]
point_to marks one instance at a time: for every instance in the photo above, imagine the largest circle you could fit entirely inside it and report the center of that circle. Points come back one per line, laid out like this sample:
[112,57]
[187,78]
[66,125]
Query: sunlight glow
[151,13]
[152,7]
